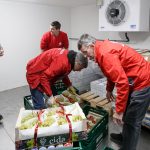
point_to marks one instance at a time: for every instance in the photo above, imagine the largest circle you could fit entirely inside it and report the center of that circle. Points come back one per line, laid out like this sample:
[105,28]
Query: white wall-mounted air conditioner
[124,15]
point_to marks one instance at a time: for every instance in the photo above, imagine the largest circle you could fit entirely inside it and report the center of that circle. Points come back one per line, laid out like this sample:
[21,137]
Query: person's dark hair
[71,57]
[74,57]
[82,60]
[56,24]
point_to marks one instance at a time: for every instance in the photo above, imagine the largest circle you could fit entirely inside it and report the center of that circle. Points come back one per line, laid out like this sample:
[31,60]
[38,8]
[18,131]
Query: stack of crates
[98,132]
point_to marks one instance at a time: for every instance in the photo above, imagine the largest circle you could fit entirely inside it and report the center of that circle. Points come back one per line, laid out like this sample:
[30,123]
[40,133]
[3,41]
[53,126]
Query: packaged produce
[59,146]
[52,147]
[49,120]
[92,119]
[43,148]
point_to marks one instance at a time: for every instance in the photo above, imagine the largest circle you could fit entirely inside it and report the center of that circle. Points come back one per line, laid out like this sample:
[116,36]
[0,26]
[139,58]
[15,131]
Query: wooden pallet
[96,101]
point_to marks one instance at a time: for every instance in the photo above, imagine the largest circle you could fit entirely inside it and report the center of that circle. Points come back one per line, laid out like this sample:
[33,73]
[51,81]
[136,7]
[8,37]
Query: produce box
[49,140]
[65,146]
[50,126]
[97,125]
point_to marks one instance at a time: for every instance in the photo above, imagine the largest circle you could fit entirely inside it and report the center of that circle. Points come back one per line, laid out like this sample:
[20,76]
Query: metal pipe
[126,36]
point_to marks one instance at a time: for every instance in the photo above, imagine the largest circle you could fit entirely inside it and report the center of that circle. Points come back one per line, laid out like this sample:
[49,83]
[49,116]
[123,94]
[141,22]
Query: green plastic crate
[59,87]
[96,142]
[102,124]
[77,147]
[28,105]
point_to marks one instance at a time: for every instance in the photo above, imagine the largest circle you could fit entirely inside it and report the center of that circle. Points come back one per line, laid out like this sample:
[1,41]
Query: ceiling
[63,3]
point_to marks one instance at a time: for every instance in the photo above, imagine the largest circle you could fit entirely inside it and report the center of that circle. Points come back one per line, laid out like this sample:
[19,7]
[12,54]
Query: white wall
[84,19]
[22,25]
[21,28]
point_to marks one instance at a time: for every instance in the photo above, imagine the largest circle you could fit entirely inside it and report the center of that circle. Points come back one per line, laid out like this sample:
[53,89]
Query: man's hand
[72,89]
[110,96]
[117,118]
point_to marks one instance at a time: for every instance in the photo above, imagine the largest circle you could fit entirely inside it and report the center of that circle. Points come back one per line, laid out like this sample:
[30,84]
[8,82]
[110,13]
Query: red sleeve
[46,85]
[44,45]
[65,41]
[66,80]
[115,73]
[54,70]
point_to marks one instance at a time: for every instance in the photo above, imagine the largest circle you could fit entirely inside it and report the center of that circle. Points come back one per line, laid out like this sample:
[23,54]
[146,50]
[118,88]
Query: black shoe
[1,117]
[116,138]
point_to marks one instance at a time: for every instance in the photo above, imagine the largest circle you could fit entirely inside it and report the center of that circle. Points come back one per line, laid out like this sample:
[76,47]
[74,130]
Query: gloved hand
[72,89]
[49,101]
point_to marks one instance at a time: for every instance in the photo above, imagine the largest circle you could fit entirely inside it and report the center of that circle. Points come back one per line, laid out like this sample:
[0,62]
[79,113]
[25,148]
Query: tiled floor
[12,100]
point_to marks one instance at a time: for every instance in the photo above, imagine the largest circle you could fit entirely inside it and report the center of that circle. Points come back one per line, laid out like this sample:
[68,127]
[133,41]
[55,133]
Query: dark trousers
[137,106]
[38,98]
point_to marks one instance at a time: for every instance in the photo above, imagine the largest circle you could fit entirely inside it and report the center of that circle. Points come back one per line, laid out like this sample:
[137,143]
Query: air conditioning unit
[124,15]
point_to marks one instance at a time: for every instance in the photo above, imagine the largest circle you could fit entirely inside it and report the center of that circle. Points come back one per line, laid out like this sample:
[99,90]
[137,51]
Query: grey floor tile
[9,123]
[5,141]
[12,100]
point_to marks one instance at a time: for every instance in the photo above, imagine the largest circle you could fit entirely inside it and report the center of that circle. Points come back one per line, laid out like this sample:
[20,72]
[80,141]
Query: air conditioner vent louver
[115,12]
[124,15]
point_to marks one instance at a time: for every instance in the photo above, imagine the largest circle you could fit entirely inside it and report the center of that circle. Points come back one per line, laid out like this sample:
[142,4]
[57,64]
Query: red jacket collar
[98,45]
[97,49]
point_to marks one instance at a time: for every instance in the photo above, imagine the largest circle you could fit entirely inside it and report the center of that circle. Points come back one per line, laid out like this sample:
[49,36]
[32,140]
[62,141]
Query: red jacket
[48,67]
[50,41]
[119,63]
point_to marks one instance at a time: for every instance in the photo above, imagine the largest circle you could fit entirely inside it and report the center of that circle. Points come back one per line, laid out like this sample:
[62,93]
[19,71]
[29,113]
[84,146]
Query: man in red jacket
[48,67]
[130,73]
[54,38]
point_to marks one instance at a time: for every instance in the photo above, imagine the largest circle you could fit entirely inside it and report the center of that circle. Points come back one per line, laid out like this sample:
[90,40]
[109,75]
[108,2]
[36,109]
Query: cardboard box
[54,133]
[49,140]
